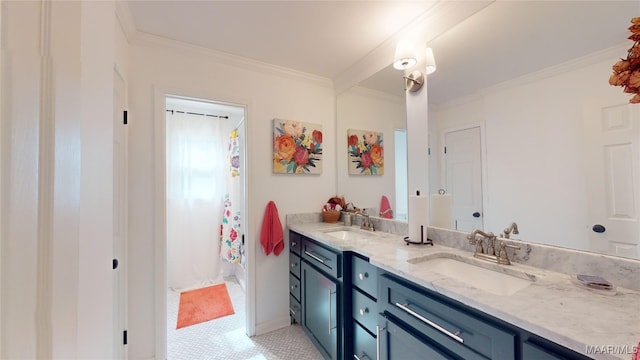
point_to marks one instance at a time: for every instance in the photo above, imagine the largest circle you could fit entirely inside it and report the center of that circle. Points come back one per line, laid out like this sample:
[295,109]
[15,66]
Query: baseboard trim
[272,325]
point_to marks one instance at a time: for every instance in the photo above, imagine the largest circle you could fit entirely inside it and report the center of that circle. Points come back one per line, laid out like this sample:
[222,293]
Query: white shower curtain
[196,159]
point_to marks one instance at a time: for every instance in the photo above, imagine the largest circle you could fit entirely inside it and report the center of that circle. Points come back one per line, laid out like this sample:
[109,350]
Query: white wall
[366,109]
[532,138]
[20,178]
[57,103]
[159,67]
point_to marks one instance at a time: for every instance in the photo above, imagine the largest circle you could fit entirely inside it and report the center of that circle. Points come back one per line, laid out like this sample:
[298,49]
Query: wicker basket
[331,216]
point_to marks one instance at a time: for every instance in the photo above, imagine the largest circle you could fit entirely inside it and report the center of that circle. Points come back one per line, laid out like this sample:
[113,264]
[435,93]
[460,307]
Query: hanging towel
[271,235]
[385,208]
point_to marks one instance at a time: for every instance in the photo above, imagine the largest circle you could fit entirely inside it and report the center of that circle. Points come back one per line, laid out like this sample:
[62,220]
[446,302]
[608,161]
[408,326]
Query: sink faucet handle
[510,246]
[503,257]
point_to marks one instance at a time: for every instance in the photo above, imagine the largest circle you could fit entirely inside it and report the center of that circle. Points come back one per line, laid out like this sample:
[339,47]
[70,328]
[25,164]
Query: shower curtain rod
[191,113]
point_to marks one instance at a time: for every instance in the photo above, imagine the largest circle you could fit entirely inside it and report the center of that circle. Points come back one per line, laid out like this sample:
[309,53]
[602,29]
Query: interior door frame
[483,160]
[160,215]
[122,270]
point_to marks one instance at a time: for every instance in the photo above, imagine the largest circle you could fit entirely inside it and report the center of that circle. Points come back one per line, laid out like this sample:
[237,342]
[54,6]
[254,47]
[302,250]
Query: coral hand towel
[385,208]
[272,235]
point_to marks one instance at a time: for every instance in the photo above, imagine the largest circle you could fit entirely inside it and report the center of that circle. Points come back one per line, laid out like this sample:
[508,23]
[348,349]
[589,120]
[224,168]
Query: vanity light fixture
[405,57]
[414,81]
[431,61]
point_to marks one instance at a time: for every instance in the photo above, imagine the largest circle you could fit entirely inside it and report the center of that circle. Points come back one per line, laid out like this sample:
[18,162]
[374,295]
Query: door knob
[115,264]
[598,228]
[476,214]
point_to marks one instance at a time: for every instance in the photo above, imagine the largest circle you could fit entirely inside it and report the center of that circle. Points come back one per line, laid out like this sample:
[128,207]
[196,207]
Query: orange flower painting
[366,152]
[626,72]
[297,147]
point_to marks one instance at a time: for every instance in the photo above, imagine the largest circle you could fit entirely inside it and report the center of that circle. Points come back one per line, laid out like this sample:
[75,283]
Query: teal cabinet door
[320,310]
[396,343]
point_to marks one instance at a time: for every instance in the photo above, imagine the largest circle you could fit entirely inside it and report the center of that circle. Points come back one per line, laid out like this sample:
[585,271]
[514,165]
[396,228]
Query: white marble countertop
[553,306]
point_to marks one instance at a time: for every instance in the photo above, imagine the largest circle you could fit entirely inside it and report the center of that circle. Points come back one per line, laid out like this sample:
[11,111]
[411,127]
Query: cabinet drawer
[531,351]
[323,258]
[364,310]
[364,344]
[294,264]
[364,276]
[294,286]
[448,324]
[295,242]
[396,342]
[539,349]
[294,309]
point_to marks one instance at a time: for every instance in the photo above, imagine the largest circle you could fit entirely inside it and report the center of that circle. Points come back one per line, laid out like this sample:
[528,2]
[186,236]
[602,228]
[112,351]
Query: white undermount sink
[478,277]
[349,234]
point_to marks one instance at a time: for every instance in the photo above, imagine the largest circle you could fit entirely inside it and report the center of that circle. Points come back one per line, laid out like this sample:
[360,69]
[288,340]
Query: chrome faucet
[512,229]
[366,221]
[473,240]
[490,254]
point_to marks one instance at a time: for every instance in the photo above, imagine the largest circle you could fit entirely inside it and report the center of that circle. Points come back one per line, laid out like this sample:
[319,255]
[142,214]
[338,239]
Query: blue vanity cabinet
[439,323]
[322,297]
[364,308]
[396,341]
[295,308]
[537,348]
[320,310]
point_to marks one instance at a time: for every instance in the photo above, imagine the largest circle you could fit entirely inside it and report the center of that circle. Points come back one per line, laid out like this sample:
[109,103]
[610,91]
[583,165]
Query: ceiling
[483,44]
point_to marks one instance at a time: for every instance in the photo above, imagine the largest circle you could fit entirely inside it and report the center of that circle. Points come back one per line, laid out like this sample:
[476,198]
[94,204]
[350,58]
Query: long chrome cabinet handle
[330,310]
[314,257]
[378,331]
[454,336]
[364,356]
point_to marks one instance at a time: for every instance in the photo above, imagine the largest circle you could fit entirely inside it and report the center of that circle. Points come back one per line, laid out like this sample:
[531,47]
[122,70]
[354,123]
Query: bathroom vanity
[369,296]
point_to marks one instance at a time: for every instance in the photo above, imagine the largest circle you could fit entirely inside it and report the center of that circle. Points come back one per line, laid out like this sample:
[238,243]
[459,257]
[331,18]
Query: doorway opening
[205,210]
[462,170]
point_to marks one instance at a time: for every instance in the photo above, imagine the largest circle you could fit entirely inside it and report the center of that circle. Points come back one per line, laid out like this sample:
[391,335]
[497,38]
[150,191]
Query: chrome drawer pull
[363,356]
[314,257]
[361,276]
[294,265]
[363,311]
[378,331]
[330,327]
[454,336]
[293,244]
[293,312]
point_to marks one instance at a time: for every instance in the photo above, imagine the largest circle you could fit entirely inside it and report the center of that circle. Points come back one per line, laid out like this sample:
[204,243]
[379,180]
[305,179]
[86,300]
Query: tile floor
[225,338]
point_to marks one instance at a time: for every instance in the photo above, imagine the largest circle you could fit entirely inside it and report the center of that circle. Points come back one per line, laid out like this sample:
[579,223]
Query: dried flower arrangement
[626,72]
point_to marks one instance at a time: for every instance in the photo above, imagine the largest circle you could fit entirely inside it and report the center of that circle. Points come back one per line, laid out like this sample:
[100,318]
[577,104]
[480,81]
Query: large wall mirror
[367,109]
[537,138]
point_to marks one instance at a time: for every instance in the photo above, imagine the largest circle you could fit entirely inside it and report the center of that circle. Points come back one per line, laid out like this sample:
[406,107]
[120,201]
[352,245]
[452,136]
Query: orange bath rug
[200,305]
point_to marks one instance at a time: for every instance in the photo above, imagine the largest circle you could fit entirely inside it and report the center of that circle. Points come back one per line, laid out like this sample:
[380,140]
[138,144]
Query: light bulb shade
[405,57]
[431,61]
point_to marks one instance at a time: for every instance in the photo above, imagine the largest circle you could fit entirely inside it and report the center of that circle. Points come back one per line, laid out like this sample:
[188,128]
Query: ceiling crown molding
[125,19]
[554,70]
[159,42]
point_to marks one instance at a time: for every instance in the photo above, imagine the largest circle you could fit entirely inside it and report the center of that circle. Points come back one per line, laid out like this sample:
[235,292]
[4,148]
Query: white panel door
[611,142]
[463,176]
[119,217]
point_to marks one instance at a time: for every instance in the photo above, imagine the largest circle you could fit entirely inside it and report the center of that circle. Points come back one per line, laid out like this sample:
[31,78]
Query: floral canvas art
[366,152]
[297,147]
